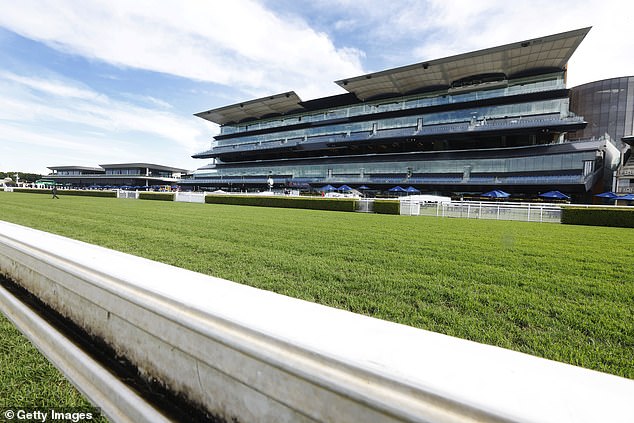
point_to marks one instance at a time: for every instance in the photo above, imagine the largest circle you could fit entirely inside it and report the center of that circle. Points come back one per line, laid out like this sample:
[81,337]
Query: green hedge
[387,206]
[33,190]
[618,217]
[79,192]
[161,196]
[336,204]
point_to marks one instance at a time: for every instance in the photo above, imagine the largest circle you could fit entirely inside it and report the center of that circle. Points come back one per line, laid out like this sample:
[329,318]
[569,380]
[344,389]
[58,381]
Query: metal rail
[116,400]
[251,355]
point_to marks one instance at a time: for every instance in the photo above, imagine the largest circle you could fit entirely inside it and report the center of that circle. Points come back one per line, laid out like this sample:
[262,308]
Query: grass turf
[561,292]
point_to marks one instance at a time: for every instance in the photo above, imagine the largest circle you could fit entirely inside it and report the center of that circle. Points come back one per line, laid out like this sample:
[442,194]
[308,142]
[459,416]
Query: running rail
[255,356]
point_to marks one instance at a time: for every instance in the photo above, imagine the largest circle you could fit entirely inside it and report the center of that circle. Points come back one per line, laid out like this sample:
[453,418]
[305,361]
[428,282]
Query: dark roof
[331,101]
[628,139]
[551,52]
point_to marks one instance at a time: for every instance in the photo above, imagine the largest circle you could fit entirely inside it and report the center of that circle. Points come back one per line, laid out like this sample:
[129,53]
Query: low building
[138,175]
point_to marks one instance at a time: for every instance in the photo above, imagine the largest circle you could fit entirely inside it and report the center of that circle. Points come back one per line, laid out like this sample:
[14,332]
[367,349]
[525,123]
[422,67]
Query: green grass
[27,380]
[557,291]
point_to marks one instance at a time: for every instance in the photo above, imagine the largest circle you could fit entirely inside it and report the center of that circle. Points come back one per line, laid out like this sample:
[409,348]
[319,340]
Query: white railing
[134,195]
[365,205]
[189,197]
[250,355]
[527,212]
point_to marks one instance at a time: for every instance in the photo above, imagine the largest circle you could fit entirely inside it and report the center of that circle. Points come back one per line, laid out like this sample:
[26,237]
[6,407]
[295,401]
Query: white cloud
[28,150]
[237,43]
[401,32]
[52,115]
[243,44]
[57,88]
[253,51]
[70,104]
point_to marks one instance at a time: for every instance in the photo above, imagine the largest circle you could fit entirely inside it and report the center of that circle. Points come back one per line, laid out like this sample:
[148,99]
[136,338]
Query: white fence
[189,197]
[250,355]
[365,205]
[527,212]
[133,195]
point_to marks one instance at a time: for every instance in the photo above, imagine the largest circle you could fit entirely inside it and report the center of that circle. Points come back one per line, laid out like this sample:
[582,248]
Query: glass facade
[447,134]
[401,142]
[559,106]
[139,172]
[518,86]
[72,172]
[607,106]
[367,169]
[125,171]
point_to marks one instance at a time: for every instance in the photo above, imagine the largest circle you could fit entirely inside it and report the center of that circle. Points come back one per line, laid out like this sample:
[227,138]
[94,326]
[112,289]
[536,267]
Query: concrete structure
[115,175]
[494,118]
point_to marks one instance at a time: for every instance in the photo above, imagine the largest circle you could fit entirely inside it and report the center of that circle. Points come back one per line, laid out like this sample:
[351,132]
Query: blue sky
[97,82]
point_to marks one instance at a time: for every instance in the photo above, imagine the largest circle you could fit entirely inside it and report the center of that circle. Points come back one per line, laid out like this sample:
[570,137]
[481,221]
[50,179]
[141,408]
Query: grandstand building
[495,118]
[137,175]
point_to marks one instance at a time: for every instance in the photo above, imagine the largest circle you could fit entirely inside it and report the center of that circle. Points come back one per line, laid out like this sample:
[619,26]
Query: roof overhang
[273,105]
[629,140]
[83,168]
[546,53]
[142,165]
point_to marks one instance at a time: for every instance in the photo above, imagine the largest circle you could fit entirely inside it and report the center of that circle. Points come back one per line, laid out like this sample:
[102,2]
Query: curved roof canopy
[272,105]
[551,52]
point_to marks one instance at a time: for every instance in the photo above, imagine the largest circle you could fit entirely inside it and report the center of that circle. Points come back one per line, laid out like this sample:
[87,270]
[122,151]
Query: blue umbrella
[364,187]
[412,189]
[344,188]
[555,194]
[628,197]
[610,195]
[497,193]
[328,188]
[397,189]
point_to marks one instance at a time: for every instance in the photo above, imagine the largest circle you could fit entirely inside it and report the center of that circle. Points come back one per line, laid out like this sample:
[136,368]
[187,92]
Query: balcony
[319,142]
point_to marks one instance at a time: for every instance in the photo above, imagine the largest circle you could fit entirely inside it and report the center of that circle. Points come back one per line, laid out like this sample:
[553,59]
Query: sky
[100,82]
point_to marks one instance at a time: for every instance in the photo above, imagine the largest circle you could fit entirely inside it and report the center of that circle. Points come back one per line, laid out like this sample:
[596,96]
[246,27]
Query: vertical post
[529,212]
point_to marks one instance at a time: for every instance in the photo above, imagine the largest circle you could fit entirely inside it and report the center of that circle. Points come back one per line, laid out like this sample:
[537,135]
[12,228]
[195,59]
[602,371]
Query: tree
[24,177]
